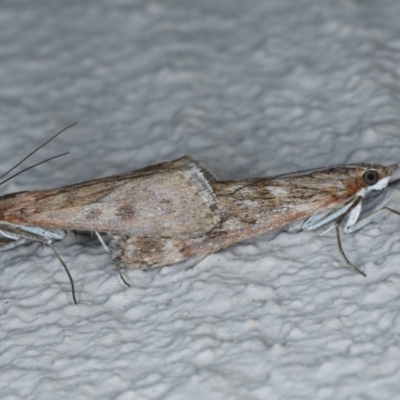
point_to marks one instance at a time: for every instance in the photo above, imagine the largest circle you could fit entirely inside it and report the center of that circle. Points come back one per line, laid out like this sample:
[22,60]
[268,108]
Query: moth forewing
[169,199]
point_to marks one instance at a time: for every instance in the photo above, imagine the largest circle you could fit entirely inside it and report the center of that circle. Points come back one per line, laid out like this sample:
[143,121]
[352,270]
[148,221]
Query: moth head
[375,177]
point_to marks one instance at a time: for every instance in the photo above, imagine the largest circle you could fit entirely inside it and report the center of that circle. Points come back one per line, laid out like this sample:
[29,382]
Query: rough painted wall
[250,89]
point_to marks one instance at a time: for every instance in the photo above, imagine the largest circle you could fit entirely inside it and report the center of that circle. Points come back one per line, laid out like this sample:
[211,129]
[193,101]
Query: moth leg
[10,240]
[318,220]
[346,260]
[360,224]
[20,233]
[350,216]
[102,242]
[8,244]
[108,252]
[66,270]
[195,262]
[352,226]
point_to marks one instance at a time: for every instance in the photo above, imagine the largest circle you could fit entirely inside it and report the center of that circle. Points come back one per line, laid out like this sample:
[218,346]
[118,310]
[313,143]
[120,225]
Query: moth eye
[370,177]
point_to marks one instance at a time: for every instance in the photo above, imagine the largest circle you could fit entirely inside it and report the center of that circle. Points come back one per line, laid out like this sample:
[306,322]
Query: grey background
[249,88]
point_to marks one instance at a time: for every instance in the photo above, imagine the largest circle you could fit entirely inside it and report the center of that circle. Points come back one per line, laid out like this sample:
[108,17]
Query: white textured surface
[249,89]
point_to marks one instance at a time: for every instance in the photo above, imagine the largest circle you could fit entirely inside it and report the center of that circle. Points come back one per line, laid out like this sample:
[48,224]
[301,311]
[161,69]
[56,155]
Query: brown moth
[176,210]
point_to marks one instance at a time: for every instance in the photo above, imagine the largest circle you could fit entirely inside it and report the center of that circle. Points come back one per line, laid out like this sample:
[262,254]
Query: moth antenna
[66,270]
[33,166]
[121,276]
[37,149]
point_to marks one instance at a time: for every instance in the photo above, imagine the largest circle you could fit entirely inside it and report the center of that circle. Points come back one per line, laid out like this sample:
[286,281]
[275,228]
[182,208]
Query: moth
[178,210]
